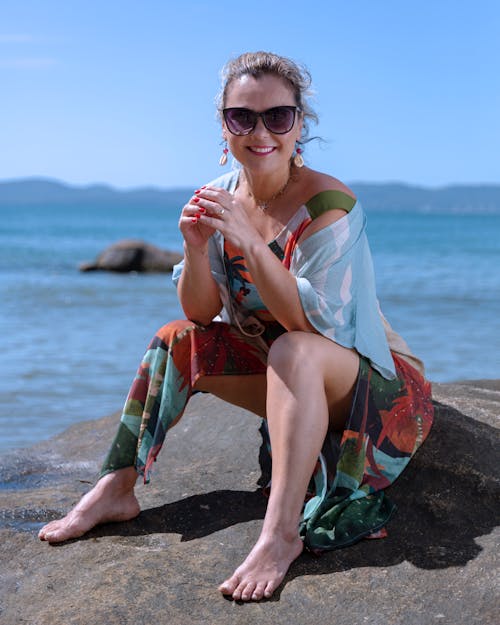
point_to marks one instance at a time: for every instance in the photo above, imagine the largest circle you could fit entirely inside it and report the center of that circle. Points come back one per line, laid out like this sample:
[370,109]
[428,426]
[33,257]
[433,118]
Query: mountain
[375,197]
[46,192]
[450,199]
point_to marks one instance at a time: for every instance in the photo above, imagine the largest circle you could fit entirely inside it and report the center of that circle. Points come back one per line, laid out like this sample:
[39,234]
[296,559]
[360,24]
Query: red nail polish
[196,199]
[197,215]
[194,220]
[204,186]
[202,210]
[197,191]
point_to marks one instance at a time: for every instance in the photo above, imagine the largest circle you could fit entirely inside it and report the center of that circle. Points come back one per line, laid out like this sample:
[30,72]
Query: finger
[213,222]
[189,220]
[212,208]
[191,209]
[212,193]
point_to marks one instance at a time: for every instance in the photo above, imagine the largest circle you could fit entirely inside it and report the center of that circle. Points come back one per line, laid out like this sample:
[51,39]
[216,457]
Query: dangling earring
[223,158]
[298,161]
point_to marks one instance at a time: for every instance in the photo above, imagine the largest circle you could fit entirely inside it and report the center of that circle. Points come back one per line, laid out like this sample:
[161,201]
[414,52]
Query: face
[262,151]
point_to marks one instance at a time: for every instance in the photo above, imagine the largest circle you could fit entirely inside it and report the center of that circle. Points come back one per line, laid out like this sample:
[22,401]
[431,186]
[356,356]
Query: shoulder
[226,181]
[327,200]
[316,182]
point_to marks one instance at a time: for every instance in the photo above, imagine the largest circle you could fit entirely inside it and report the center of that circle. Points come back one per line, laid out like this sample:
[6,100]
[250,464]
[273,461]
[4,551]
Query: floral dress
[390,416]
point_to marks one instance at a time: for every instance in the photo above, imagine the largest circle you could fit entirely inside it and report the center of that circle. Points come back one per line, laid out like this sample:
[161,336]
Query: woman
[277,253]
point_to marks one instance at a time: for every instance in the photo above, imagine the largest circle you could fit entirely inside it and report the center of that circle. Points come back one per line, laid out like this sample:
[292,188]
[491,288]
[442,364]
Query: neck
[265,189]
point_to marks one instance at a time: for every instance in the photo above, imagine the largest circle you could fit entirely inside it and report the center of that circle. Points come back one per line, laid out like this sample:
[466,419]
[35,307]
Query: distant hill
[450,199]
[46,192]
[375,197]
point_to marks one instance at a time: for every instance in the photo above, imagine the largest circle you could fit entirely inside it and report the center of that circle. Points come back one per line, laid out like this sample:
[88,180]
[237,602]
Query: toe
[229,586]
[258,592]
[238,591]
[248,591]
[270,588]
[47,529]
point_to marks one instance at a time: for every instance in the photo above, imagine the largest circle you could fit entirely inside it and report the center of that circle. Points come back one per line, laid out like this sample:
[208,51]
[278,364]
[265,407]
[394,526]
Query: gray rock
[202,513]
[133,255]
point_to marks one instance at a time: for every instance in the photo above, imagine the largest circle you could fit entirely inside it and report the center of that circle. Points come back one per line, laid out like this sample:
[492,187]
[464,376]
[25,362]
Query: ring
[222,211]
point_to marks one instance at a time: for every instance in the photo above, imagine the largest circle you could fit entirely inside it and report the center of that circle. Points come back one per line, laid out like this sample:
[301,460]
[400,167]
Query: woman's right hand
[195,233]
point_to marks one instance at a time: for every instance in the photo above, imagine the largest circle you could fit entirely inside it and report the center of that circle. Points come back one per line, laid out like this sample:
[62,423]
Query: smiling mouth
[261,150]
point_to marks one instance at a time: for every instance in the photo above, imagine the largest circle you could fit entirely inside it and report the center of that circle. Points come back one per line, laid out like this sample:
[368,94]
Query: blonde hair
[257,64]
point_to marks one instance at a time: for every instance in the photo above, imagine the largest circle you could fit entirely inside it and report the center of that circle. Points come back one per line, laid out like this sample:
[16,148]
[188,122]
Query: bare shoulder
[315,182]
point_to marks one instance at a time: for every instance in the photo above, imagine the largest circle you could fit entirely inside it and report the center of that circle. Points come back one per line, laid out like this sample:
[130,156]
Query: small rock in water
[133,255]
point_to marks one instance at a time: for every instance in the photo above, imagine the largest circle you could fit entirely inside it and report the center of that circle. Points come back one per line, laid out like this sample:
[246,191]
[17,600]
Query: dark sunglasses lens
[280,119]
[240,121]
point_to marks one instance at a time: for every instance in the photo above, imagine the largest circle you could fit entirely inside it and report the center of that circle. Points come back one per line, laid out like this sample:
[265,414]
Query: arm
[276,285]
[197,289]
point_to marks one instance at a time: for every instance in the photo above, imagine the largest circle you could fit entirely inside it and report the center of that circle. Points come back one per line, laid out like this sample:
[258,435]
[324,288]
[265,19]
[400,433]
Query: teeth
[262,150]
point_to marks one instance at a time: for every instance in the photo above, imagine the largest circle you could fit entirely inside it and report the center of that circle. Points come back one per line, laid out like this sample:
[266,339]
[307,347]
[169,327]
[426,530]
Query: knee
[289,352]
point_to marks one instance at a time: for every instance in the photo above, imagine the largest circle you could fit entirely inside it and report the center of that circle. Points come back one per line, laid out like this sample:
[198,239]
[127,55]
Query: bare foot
[264,568]
[111,499]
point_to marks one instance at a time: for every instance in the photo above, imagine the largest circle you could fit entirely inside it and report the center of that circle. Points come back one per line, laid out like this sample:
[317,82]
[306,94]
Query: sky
[123,92]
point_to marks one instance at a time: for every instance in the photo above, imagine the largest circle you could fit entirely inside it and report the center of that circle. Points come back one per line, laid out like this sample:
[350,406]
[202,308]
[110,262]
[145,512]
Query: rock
[202,513]
[133,255]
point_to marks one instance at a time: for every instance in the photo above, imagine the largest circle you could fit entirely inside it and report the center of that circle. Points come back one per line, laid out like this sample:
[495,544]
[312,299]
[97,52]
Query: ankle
[121,481]
[280,532]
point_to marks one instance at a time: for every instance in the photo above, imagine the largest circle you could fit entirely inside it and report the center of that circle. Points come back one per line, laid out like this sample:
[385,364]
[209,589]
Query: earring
[223,158]
[298,161]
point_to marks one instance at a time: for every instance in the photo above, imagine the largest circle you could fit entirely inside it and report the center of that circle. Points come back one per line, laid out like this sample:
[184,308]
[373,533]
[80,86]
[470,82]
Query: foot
[109,500]
[264,568]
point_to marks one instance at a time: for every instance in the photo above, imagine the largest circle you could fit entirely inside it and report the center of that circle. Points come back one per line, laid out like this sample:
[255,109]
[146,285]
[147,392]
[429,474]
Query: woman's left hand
[224,213]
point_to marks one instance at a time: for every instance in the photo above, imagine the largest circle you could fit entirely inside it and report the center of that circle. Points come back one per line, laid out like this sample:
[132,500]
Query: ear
[300,124]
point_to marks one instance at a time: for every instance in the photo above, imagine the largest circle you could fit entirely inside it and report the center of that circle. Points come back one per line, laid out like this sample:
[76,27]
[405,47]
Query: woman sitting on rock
[278,290]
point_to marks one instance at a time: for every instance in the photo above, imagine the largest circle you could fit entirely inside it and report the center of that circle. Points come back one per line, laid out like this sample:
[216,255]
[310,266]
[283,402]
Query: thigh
[230,365]
[246,391]
[323,365]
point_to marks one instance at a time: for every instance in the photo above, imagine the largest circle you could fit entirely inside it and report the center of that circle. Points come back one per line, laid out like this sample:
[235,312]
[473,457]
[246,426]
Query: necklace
[264,205]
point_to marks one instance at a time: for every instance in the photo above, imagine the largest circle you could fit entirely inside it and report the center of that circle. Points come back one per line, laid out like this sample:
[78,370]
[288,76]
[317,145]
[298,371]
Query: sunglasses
[279,120]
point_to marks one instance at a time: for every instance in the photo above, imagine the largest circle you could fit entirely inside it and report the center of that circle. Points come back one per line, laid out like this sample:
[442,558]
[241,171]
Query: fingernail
[202,210]
[196,199]
[194,220]
[197,191]
[204,186]
[197,215]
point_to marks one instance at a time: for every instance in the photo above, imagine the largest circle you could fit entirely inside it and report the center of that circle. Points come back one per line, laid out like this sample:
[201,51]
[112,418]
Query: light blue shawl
[335,280]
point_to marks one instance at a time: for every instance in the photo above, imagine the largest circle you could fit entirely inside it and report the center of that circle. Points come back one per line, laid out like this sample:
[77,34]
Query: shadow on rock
[193,517]
[446,498]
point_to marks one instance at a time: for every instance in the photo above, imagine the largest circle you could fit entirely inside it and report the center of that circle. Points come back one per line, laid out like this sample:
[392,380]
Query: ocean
[71,341]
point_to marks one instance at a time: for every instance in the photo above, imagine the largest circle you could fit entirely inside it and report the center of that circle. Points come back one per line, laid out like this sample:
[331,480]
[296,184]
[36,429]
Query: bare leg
[309,383]
[111,499]
[246,391]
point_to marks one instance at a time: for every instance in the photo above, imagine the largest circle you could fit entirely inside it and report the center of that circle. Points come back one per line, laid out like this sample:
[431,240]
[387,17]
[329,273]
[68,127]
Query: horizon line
[154,187]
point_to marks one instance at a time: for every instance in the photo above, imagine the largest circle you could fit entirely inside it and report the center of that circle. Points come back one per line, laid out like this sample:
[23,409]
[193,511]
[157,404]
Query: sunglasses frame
[260,114]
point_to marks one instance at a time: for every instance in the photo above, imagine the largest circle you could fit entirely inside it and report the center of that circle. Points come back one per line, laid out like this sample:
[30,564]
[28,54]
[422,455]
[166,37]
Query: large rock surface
[202,513]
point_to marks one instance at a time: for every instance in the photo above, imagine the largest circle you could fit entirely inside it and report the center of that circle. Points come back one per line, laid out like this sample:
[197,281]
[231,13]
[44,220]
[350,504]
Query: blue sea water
[71,341]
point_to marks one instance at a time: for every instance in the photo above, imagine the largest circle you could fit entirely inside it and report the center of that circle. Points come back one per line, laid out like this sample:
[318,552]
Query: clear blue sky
[122,91]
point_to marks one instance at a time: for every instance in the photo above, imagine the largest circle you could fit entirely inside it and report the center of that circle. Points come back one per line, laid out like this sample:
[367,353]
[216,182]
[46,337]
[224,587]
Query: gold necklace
[265,204]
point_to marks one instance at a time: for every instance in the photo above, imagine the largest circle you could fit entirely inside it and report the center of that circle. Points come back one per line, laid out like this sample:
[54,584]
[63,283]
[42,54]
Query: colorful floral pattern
[389,420]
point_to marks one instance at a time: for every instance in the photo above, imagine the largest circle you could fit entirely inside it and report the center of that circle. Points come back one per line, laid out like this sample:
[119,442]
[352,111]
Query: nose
[260,127]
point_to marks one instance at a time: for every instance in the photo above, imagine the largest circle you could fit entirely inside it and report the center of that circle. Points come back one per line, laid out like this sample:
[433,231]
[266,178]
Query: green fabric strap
[327,200]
